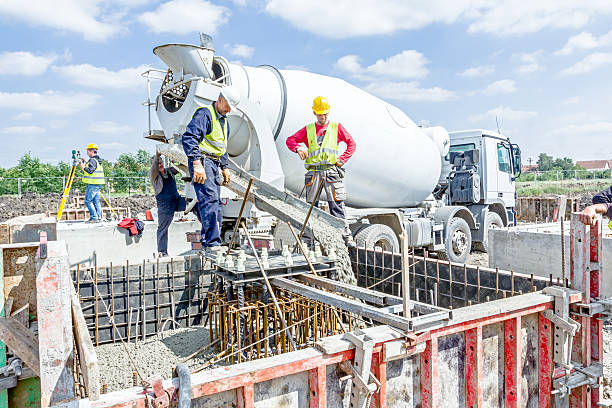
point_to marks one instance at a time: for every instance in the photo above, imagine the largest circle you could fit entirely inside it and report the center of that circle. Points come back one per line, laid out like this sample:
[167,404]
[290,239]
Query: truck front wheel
[458,241]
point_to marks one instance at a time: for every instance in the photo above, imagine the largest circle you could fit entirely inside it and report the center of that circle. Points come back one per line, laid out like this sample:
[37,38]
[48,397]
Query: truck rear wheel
[458,241]
[377,236]
[492,221]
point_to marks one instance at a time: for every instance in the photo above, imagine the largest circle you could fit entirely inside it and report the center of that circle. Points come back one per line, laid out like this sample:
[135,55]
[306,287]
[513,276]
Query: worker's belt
[211,156]
[321,168]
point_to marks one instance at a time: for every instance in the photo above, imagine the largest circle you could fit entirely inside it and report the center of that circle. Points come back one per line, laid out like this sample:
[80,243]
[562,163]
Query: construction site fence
[115,185]
[558,175]
[544,209]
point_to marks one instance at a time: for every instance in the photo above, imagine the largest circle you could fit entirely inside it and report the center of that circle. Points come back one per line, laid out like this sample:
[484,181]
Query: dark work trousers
[209,203]
[168,202]
[332,178]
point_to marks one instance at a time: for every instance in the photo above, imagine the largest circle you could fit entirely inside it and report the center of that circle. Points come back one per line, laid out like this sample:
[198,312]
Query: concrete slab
[113,244]
[537,249]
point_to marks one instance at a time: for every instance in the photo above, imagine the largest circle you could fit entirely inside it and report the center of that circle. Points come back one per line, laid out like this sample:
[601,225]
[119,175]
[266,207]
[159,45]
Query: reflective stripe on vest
[214,143]
[97,177]
[327,152]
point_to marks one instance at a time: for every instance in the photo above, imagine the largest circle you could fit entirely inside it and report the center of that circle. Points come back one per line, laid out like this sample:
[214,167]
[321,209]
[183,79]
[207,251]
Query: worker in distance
[602,204]
[93,177]
[318,145]
[205,144]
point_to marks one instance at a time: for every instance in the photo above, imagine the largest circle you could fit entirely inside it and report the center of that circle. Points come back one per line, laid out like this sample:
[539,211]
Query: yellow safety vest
[327,152]
[97,177]
[214,143]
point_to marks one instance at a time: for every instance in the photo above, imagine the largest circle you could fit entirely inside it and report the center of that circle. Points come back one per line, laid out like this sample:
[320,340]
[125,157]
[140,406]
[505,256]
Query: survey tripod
[76,158]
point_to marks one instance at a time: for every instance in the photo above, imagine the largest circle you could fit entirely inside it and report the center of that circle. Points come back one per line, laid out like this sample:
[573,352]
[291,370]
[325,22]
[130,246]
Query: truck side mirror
[516,159]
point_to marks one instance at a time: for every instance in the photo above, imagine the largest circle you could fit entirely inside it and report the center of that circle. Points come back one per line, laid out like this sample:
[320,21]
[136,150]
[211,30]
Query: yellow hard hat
[320,105]
[92,146]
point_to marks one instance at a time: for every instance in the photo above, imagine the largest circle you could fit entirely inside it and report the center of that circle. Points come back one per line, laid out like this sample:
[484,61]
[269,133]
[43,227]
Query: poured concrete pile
[157,355]
[329,237]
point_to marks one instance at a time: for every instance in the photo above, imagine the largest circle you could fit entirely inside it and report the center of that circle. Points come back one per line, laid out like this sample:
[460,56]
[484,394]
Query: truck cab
[497,165]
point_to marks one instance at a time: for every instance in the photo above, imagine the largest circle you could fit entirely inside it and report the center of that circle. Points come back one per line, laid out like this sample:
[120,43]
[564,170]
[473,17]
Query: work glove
[199,175]
[226,177]
[302,153]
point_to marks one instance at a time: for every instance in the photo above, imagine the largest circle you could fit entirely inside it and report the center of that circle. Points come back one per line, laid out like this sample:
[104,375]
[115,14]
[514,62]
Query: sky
[70,70]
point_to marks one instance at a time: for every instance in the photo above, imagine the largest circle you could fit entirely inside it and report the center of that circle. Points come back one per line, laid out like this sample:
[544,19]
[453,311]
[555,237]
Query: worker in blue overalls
[168,200]
[205,144]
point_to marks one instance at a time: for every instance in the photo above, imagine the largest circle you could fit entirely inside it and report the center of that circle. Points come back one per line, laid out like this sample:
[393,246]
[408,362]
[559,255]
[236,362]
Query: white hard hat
[231,95]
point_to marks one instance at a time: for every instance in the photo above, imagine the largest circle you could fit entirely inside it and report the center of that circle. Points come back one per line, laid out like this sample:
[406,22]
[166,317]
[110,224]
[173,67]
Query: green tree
[545,162]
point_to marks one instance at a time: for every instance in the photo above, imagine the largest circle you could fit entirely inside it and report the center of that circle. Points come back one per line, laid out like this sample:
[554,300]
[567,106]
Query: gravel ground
[156,355]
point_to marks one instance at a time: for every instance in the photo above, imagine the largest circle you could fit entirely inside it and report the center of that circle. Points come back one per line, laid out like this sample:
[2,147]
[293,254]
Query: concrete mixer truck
[445,190]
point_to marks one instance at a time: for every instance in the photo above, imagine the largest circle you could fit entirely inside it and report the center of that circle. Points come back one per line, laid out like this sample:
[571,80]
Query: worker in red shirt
[318,145]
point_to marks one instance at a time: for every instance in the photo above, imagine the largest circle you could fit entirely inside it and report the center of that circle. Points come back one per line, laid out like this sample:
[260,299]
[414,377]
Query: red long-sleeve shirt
[293,141]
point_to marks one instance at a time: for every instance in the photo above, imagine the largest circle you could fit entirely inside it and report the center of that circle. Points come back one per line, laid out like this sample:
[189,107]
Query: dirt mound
[31,203]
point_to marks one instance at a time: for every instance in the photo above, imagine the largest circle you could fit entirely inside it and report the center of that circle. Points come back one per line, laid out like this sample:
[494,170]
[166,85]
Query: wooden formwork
[506,352]
[545,209]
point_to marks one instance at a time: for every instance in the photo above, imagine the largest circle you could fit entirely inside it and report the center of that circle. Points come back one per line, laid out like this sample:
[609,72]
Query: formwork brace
[365,384]
[565,327]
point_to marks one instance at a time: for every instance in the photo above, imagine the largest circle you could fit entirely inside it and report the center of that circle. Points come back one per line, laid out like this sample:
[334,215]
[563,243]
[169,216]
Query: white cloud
[405,65]
[58,124]
[24,63]
[529,62]
[96,20]
[584,41]
[366,17]
[23,116]
[240,50]
[110,127]
[589,63]
[408,92]
[114,146]
[22,130]
[53,102]
[571,101]
[503,86]
[186,16]
[503,113]
[478,71]
[100,77]
[584,129]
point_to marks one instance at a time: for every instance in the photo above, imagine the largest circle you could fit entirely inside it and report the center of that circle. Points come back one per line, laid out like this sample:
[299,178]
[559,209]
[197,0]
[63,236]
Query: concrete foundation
[113,244]
[536,249]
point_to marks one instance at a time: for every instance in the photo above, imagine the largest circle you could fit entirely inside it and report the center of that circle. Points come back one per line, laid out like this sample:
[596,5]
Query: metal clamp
[10,372]
[365,384]
[163,397]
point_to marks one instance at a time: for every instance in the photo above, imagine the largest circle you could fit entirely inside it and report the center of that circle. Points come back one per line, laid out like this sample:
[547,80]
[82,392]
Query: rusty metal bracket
[163,397]
[365,384]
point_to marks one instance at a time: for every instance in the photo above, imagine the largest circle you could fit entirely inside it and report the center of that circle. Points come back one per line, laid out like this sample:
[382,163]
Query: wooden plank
[21,341]
[474,367]
[512,362]
[346,304]
[22,315]
[545,362]
[246,396]
[8,306]
[317,385]
[429,374]
[87,354]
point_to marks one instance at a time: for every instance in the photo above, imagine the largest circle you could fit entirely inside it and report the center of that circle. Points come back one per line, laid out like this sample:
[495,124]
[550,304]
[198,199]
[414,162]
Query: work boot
[349,241]
[211,252]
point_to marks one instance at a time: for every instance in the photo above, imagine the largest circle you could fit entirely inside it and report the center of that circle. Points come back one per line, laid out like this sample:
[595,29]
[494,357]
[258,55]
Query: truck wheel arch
[446,214]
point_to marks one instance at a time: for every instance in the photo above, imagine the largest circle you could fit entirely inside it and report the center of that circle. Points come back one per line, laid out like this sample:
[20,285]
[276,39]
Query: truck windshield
[503,158]
[460,148]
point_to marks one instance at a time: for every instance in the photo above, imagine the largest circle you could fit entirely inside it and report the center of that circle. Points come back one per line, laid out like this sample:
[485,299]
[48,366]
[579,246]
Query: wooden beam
[87,354]
[21,341]
[22,315]
[343,303]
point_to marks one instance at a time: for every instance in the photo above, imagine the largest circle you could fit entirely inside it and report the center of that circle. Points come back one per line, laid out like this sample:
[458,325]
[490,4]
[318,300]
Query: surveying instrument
[76,158]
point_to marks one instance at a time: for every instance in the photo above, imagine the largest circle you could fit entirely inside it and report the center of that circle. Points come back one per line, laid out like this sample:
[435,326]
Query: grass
[565,187]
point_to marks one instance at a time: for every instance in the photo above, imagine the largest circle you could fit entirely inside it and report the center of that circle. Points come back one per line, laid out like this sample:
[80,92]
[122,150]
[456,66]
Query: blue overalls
[168,202]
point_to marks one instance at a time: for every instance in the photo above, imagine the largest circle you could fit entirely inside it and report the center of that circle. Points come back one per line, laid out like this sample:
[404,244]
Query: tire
[379,236]
[492,221]
[458,241]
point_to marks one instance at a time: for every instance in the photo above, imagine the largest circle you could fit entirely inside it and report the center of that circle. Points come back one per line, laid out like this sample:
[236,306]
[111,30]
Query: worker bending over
[602,204]
[93,176]
[168,200]
[323,162]
[205,144]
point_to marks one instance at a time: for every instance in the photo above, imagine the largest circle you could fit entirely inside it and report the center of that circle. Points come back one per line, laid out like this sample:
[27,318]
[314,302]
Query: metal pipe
[316,198]
[184,392]
[238,220]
